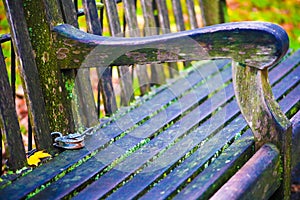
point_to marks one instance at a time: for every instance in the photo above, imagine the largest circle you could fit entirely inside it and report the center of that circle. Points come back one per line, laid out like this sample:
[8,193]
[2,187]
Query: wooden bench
[189,138]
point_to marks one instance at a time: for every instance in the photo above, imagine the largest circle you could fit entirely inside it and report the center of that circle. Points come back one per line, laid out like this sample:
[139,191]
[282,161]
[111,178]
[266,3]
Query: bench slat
[150,150]
[192,189]
[106,86]
[149,128]
[125,75]
[24,51]
[220,169]
[9,121]
[177,10]
[253,181]
[192,14]
[58,165]
[70,155]
[277,92]
[150,22]
[134,31]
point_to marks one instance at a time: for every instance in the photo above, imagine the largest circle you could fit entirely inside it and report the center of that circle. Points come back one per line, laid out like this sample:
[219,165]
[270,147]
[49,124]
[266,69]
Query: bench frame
[64,47]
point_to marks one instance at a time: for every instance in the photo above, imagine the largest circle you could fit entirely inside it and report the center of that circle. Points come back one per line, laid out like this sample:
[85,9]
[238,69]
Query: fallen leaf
[35,159]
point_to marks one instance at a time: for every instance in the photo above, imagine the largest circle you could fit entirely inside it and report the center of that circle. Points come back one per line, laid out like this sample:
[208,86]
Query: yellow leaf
[35,158]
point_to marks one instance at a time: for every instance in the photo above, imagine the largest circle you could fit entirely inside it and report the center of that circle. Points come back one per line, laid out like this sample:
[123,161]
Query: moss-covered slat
[212,12]
[207,182]
[9,121]
[285,66]
[145,131]
[253,180]
[220,169]
[257,45]
[142,183]
[141,160]
[103,137]
[20,36]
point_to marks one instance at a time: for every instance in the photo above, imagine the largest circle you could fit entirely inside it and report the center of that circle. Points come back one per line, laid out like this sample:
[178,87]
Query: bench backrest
[53,112]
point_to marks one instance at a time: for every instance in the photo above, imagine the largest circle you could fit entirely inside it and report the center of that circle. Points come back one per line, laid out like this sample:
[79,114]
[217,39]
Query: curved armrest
[255,44]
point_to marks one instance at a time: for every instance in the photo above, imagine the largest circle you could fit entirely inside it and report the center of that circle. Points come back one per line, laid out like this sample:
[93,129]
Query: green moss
[69,85]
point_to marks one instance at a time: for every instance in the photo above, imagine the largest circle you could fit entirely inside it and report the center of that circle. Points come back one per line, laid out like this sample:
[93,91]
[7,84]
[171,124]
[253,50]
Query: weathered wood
[130,141]
[178,15]
[162,145]
[151,28]
[268,123]
[105,134]
[58,100]
[105,75]
[164,25]
[230,160]
[212,12]
[134,31]
[244,42]
[253,180]
[141,184]
[192,15]
[125,76]
[83,109]
[23,48]
[9,120]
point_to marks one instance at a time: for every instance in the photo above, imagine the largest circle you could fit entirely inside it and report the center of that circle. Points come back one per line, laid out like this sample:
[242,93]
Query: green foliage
[282,12]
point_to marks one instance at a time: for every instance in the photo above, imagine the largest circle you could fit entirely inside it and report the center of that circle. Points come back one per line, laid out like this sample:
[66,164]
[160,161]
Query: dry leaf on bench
[35,159]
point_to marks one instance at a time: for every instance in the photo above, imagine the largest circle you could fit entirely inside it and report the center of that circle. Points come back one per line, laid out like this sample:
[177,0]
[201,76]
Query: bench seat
[157,149]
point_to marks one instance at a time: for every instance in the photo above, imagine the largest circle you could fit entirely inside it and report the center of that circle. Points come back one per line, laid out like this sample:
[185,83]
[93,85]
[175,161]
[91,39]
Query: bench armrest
[256,44]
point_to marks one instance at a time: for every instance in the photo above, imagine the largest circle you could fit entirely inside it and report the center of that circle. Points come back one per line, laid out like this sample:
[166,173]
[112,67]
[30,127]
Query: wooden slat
[105,75]
[164,25]
[86,109]
[141,180]
[139,159]
[102,137]
[220,169]
[146,130]
[213,181]
[177,9]
[53,167]
[134,31]
[212,12]
[253,180]
[151,28]
[125,76]
[139,184]
[9,121]
[22,45]
[192,15]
